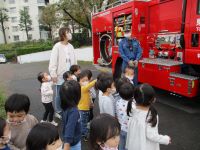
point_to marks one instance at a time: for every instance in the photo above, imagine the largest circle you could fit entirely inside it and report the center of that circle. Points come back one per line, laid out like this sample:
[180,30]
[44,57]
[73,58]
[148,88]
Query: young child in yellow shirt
[85,101]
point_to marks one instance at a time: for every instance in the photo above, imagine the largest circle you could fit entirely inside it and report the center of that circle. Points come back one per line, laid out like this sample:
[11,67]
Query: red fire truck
[168,31]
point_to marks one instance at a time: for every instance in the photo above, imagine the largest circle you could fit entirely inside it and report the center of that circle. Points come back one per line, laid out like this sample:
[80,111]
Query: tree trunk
[73,30]
[4,33]
[50,32]
[26,29]
[27,33]
[86,15]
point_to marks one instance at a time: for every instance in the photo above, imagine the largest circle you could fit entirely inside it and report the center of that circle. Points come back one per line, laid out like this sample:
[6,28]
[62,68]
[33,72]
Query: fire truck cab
[168,31]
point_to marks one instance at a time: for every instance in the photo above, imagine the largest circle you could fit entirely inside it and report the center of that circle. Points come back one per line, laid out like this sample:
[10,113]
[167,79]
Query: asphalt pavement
[178,117]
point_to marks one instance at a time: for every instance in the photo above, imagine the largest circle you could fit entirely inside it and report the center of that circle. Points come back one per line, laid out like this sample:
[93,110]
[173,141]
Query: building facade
[13,33]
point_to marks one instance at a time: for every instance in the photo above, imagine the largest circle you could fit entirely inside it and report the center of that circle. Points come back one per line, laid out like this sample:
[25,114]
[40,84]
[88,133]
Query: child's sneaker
[54,123]
[42,121]
[57,115]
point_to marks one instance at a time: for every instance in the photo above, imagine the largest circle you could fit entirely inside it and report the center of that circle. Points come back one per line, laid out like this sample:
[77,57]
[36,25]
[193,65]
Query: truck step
[160,61]
[183,76]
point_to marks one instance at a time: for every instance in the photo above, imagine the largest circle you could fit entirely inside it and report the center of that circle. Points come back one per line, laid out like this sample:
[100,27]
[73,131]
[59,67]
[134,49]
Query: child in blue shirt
[70,94]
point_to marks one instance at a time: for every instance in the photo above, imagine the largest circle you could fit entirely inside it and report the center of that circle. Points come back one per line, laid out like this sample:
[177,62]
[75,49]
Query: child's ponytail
[129,107]
[152,116]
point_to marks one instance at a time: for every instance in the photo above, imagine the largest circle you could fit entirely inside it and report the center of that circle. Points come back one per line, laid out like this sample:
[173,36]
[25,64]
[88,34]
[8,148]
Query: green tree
[80,10]
[3,19]
[48,18]
[25,22]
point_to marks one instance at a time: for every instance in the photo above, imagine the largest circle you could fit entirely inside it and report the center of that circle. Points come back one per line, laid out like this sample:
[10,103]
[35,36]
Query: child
[143,124]
[126,94]
[85,101]
[5,135]
[38,140]
[104,133]
[20,122]
[118,83]
[75,70]
[92,90]
[106,100]
[129,73]
[70,94]
[47,97]
[92,94]
[67,76]
[96,109]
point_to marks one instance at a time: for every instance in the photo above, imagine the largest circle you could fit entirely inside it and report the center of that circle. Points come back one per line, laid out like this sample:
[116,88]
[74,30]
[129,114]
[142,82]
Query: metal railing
[117,3]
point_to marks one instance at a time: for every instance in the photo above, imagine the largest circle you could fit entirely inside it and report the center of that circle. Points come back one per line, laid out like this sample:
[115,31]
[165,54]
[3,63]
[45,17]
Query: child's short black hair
[66,75]
[83,74]
[102,75]
[102,128]
[119,82]
[2,126]
[105,82]
[126,91]
[40,77]
[17,103]
[74,68]
[70,94]
[89,72]
[37,138]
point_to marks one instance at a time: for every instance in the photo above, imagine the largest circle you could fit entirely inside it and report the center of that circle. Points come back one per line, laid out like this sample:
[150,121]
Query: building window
[15,28]
[13,19]
[30,37]
[40,1]
[11,1]
[25,1]
[16,37]
[13,10]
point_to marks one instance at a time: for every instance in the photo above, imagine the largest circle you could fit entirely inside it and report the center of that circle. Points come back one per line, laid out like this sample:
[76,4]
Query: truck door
[192,32]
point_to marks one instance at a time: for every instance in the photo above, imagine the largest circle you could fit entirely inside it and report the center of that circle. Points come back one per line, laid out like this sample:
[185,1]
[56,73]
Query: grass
[2,102]
[85,62]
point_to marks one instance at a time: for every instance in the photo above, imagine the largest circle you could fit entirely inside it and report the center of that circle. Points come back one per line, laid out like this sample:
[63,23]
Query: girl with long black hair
[143,122]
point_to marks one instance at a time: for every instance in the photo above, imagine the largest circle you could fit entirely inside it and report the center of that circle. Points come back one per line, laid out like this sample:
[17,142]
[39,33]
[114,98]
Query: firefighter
[130,51]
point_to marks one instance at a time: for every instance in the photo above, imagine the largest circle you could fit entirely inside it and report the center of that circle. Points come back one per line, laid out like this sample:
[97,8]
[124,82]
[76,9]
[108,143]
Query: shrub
[12,50]
[81,39]
[2,102]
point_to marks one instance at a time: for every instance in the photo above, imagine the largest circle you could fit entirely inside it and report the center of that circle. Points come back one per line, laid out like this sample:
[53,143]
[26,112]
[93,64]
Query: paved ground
[179,118]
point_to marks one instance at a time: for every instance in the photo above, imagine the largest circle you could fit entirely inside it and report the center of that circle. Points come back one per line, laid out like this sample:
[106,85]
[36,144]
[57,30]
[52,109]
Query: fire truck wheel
[106,49]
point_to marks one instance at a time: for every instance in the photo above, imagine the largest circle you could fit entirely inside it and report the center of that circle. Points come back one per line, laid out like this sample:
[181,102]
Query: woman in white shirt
[62,57]
[143,122]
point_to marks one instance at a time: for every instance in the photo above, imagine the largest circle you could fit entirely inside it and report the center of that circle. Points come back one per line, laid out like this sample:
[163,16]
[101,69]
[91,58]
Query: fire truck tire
[105,43]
